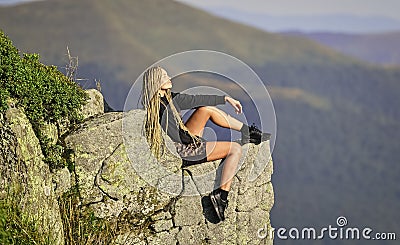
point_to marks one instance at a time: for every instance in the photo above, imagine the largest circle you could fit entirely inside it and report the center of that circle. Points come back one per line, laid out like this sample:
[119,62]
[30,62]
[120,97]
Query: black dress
[190,151]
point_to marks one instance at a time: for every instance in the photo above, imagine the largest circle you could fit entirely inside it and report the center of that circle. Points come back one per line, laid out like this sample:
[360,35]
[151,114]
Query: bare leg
[199,118]
[231,151]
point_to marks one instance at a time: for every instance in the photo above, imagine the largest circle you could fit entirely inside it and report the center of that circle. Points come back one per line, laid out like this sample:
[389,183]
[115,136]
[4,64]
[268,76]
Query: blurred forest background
[338,121]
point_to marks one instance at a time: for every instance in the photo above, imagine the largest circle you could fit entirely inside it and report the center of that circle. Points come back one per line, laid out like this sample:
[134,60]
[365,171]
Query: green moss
[15,227]
[45,94]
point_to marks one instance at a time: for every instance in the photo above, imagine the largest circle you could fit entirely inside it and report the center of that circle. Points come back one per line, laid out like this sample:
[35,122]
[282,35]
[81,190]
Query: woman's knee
[236,148]
[207,109]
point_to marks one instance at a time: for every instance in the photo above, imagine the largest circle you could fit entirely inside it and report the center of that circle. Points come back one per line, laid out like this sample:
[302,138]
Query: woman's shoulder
[174,94]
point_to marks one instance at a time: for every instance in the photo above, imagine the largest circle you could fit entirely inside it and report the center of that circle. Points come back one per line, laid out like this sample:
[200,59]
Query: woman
[163,107]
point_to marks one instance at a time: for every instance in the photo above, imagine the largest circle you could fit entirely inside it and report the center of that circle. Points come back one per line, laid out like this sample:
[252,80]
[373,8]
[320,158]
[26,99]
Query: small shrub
[45,94]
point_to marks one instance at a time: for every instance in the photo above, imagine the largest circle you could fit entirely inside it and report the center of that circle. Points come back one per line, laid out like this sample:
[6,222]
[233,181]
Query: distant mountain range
[373,39]
[382,48]
[337,147]
[13,2]
[342,23]
[116,41]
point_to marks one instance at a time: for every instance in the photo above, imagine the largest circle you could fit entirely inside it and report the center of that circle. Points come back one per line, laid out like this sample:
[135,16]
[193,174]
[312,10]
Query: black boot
[219,204]
[245,130]
[253,135]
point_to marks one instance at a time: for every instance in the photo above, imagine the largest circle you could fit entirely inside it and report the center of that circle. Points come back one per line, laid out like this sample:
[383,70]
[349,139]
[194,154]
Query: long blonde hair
[151,101]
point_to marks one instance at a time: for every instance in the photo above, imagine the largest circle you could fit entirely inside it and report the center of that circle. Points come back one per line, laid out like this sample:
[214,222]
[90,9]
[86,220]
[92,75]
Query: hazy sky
[15,1]
[385,8]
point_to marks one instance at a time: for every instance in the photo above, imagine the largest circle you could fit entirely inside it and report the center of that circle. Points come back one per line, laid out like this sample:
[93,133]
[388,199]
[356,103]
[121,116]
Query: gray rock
[118,175]
[94,105]
[29,180]
[162,225]
[61,181]
[156,202]
[167,238]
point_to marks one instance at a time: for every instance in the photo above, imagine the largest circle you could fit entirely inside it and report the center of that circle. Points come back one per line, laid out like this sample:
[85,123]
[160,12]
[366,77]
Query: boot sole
[262,139]
[215,204]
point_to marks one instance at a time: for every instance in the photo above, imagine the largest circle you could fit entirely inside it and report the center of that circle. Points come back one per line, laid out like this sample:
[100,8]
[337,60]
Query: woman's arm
[187,101]
[235,103]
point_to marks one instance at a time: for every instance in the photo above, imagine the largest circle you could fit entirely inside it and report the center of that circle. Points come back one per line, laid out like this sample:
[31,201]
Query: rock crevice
[118,180]
[183,215]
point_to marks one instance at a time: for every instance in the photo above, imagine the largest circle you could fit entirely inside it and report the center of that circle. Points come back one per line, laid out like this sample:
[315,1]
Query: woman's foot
[219,204]
[253,135]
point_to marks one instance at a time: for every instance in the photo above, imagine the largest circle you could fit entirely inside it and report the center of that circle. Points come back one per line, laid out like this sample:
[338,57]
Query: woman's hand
[235,103]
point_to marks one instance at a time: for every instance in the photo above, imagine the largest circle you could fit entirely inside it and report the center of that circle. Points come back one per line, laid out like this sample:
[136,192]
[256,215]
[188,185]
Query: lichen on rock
[28,179]
[117,174]
[119,182]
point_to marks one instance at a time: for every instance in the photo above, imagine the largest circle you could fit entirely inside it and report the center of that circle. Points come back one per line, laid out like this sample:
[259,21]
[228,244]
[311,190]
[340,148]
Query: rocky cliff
[120,183]
[25,178]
